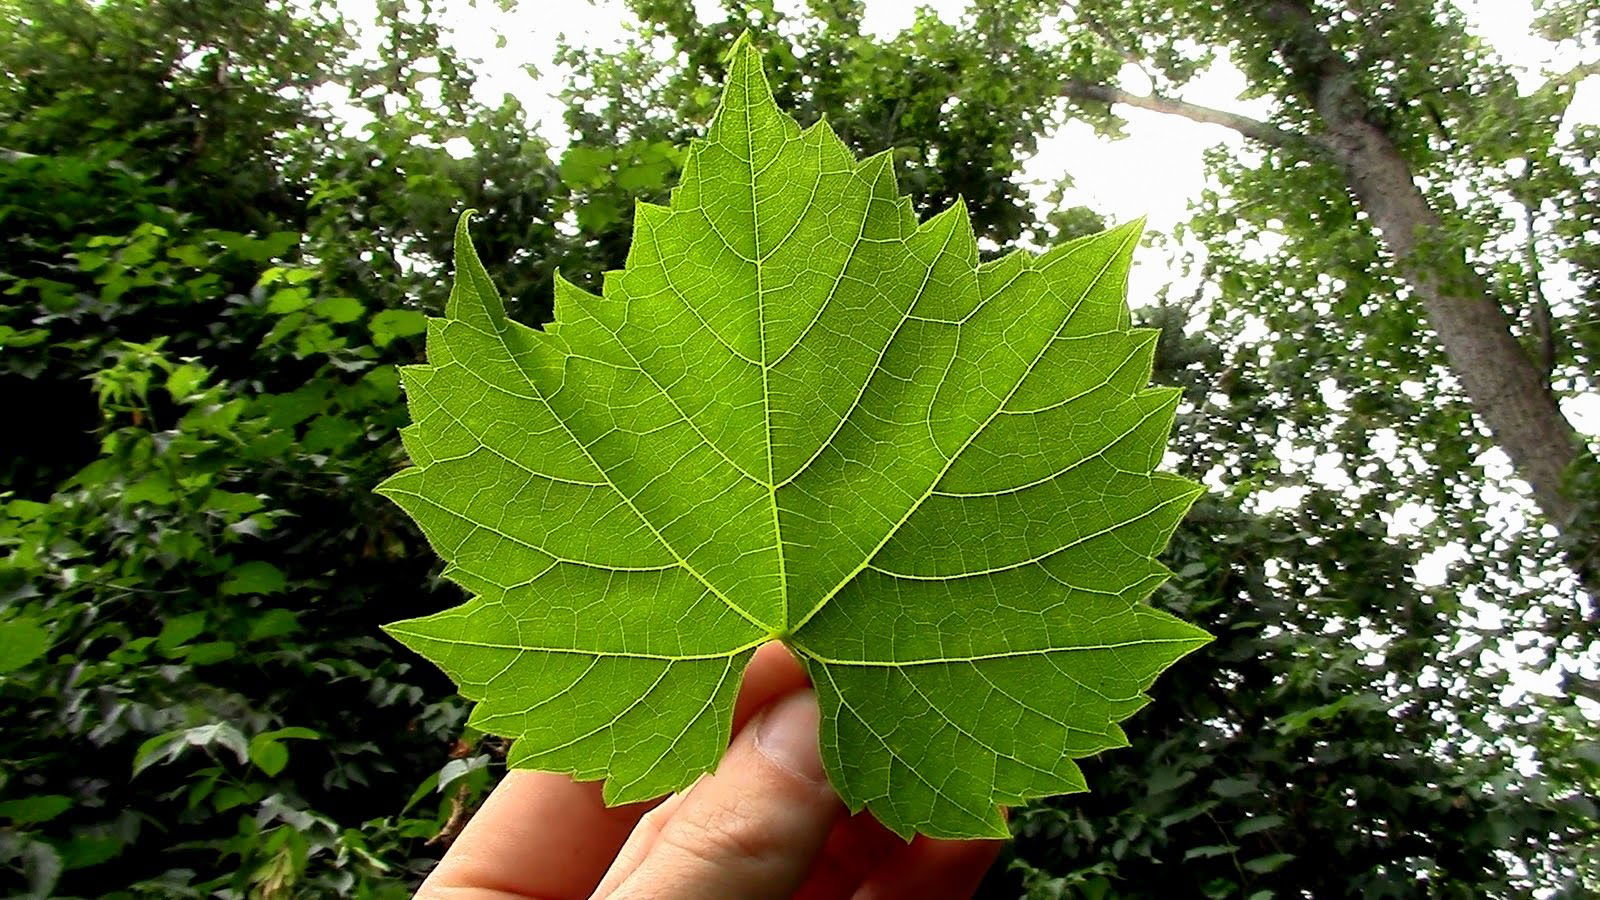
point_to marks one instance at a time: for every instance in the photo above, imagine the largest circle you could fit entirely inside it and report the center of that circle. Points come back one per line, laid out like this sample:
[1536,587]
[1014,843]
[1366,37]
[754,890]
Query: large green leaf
[799,415]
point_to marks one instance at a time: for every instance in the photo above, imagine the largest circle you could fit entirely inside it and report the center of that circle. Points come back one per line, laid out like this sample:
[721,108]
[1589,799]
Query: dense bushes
[191,610]
[204,373]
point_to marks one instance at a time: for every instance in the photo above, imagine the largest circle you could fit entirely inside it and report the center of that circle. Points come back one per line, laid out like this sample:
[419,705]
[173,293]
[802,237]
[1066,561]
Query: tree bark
[1507,389]
[1509,392]
[1250,128]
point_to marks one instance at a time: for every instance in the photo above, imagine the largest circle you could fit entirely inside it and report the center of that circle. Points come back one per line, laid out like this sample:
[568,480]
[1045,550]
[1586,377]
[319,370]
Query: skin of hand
[766,824]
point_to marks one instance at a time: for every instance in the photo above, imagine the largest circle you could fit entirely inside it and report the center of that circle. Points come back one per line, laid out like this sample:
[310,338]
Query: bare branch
[1250,128]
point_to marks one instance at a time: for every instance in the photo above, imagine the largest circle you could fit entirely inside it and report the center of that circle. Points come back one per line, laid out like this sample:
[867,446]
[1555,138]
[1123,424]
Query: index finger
[544,835]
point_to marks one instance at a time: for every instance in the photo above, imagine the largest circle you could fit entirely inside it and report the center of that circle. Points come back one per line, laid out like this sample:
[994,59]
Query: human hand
[767,824]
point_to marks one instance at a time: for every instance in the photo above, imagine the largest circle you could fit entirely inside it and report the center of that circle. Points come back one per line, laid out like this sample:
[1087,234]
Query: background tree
[1359,91]
[211,277]
[1334,656]
[209,282]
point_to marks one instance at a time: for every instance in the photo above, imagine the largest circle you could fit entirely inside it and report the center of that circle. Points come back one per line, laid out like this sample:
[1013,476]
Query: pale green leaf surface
[799,414]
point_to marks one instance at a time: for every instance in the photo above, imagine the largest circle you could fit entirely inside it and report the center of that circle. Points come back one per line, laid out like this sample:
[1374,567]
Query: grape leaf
[797,414]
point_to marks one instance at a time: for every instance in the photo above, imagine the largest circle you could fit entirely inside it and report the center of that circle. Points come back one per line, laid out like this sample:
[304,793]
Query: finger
[754,828]
[772,673]
[855,847]
[639,845]
[545,835]
[538,835]
[930,869]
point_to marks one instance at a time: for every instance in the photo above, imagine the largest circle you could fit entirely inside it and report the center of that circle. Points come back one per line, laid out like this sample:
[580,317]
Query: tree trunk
[1508,390]
[1506,387]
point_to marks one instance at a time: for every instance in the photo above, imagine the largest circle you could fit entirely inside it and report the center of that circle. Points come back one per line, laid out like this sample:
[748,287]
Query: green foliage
[1316,603]
[702,455]
[207,364]
[153,177]
[156,628]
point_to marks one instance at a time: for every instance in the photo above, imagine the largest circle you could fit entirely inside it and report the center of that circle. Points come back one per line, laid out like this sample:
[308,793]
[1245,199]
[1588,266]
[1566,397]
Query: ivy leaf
[800,415]
[21,642]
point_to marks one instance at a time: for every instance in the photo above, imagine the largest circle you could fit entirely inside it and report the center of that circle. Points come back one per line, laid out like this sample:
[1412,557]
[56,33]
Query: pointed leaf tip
[747,72]
[741,44]
[473,296]
[463,233]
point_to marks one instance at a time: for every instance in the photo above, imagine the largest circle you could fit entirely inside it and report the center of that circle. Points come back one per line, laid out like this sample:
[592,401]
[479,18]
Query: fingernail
[787,735]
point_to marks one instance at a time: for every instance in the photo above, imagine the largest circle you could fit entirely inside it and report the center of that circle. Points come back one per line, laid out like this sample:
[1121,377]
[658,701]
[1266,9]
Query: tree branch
[1543,323]
[1250,128]
[1111,41]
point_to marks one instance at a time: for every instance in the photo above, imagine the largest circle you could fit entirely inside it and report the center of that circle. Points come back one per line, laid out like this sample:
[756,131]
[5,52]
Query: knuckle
[725,837]
[656,819]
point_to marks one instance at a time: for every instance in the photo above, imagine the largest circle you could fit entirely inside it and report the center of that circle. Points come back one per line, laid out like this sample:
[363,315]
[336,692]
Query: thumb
[754,828]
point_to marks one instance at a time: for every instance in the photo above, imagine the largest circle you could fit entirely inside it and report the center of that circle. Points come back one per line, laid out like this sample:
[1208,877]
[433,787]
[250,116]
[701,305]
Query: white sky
[1155,171]
[1164,151]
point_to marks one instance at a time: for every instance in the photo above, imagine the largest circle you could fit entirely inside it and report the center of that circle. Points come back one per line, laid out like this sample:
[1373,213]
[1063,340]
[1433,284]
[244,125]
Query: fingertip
[786,734]
[772,674]
[755,827]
